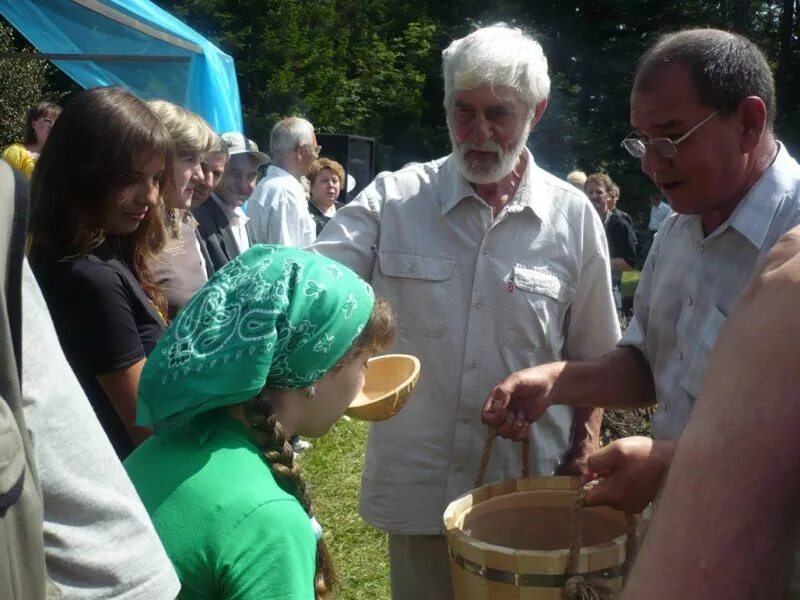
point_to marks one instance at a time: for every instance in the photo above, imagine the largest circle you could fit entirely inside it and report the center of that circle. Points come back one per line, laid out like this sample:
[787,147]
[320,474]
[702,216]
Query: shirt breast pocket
[539,298]
[420,289]
[695,375]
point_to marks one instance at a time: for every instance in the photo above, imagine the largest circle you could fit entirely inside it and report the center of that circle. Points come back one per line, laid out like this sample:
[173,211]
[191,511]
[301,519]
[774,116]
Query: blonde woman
[180,269]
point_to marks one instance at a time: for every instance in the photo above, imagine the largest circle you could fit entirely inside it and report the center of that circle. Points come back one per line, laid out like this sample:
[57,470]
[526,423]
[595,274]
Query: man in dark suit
[221,220]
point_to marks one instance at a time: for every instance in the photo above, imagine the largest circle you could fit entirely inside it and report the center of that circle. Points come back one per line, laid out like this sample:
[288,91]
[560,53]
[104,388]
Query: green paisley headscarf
[274,314]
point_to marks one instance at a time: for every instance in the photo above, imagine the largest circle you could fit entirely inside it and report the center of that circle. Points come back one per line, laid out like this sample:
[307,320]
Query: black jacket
[215,234]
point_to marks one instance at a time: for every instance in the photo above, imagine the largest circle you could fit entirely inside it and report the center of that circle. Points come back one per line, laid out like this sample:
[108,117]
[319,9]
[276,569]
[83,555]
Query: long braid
[268,434]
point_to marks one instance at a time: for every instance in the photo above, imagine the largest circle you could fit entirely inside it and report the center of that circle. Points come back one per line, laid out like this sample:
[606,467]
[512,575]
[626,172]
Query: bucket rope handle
[577,587]
[487,454]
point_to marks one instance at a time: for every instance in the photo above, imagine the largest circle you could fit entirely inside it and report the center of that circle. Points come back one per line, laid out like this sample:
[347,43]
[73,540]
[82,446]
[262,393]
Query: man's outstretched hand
[631,472]
[519,400]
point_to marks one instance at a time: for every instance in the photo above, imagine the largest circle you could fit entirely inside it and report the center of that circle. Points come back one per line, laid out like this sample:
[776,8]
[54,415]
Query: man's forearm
[586,427]
[620,379]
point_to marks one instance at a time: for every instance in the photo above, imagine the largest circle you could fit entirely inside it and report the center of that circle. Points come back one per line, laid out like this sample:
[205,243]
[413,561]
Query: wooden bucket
[511,540]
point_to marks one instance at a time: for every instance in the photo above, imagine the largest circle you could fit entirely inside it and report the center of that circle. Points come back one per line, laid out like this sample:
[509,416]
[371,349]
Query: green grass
[332,469]
[630,279]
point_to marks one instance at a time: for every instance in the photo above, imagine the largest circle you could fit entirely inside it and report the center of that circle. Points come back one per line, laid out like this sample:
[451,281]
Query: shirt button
[473,364]
[466,420]
[478,305]
[700,248]
[413,267]
[680,355]
[690,301]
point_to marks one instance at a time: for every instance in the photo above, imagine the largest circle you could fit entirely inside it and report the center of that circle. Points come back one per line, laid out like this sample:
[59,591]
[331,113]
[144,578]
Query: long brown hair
[268,434]
[94,150]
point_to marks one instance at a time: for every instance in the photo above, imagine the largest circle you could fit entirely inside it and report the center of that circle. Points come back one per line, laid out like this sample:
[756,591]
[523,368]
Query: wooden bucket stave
[482,570]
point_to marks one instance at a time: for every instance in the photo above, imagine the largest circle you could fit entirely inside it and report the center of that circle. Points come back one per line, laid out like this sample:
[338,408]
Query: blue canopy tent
[134,44]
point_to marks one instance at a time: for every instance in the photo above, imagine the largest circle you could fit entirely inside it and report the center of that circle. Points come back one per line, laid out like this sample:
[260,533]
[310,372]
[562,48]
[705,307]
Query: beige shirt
[476,299]
[179,269]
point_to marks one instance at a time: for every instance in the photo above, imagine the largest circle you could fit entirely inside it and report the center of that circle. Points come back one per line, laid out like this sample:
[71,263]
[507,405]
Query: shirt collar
[233,213]
[274,172]
[754,214]
[526,196]
[279,171]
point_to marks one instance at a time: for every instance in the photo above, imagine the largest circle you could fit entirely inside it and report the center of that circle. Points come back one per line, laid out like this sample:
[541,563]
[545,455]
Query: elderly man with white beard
[491,264]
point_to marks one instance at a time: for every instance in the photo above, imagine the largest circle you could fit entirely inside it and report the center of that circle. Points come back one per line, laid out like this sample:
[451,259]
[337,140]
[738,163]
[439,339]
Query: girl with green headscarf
[274,344]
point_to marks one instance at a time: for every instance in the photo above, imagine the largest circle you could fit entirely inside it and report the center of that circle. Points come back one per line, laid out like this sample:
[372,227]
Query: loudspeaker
[355,153]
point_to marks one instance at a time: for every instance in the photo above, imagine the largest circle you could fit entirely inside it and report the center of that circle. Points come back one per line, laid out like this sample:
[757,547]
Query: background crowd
[373,69]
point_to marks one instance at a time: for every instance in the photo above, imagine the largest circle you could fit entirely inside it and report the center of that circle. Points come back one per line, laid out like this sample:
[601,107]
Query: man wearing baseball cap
[221,221]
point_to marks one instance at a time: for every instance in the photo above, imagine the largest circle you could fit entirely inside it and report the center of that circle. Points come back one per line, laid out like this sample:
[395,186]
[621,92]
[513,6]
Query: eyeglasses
[661,147]
[314,149]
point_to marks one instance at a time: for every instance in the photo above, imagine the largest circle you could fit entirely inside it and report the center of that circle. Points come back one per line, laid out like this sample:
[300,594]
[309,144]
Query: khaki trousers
[419,567]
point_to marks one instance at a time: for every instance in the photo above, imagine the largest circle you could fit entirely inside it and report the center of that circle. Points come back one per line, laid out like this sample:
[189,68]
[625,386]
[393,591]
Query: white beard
[476,172]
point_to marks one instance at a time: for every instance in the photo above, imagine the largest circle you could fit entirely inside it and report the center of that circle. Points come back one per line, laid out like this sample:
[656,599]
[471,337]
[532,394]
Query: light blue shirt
[691,282]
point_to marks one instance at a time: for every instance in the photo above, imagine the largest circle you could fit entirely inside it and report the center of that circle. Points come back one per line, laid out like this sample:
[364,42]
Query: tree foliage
[372,67]
[24,83]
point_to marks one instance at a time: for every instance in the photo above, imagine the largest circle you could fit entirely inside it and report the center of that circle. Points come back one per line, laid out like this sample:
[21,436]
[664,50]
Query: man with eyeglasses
[278,209]
[702,106]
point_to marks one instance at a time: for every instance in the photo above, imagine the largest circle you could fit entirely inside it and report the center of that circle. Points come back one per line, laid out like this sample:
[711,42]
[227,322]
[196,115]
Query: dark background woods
[372,67]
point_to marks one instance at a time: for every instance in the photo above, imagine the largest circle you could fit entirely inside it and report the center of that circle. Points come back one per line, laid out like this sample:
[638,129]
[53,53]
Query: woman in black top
[96,221]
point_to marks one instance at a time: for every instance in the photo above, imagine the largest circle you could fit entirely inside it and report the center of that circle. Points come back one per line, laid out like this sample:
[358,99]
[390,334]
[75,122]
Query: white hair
[498,56]
[288,134]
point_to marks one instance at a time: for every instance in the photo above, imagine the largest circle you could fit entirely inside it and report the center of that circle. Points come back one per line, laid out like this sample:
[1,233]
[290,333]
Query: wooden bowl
[390,380]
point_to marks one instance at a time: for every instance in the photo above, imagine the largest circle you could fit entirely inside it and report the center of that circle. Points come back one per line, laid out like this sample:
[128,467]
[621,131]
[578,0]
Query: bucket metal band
[536,580]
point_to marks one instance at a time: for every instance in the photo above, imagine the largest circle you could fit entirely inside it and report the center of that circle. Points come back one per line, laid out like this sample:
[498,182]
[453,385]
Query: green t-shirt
[229,529]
